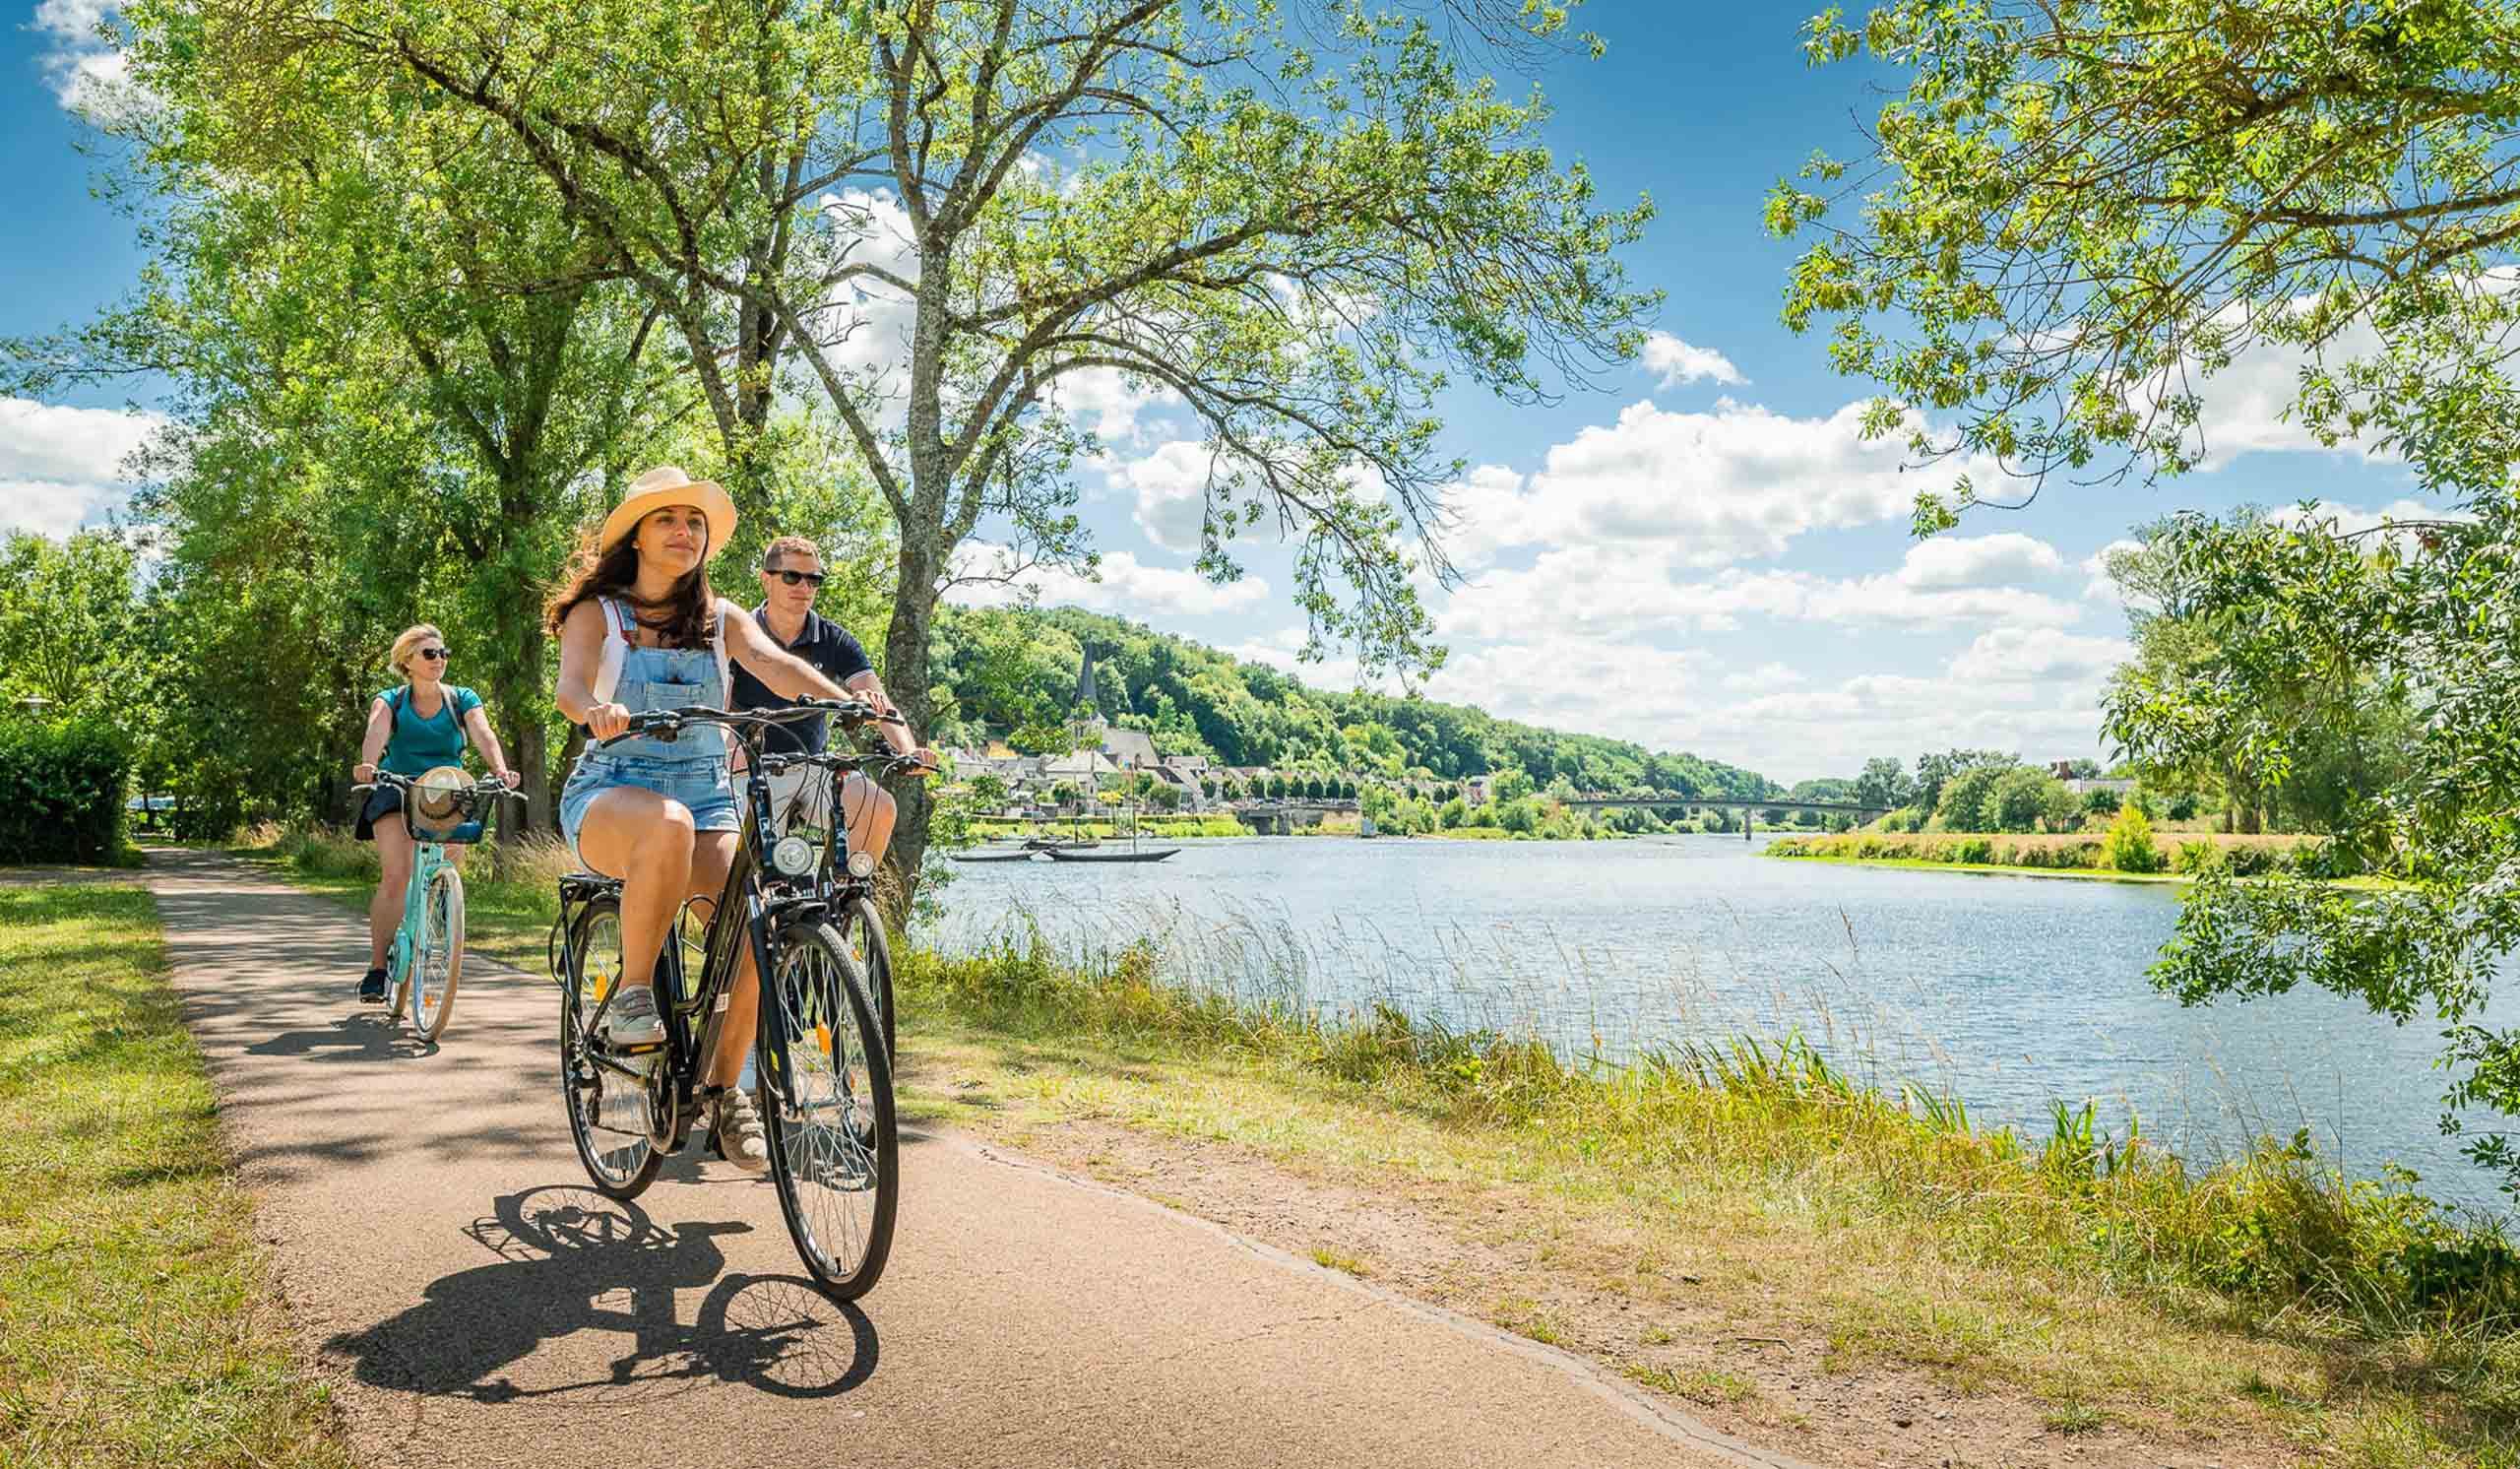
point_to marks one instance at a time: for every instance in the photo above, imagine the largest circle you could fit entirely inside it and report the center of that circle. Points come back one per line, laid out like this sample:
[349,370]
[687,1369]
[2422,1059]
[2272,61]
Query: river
[2007,992]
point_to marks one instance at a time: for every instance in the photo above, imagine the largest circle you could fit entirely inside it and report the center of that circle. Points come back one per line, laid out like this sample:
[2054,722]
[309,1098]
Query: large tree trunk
[905,679]
[517,691]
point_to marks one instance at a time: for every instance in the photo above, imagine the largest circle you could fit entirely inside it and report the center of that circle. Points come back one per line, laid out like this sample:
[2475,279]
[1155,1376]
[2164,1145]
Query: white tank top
[617,620]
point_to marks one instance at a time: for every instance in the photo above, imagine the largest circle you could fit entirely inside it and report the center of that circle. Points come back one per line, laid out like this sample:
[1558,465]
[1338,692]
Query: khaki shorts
[801,800]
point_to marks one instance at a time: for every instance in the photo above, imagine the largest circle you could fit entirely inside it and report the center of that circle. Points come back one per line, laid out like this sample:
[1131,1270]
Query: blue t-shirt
[421,743]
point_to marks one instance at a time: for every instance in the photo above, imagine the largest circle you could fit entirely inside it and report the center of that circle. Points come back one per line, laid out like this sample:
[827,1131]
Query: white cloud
[2101,587]
[1127,586]
[1103,400]
[868,324]
[89,75]
[61,467]
[1702,489]
[1765,675]
[1952,562]
[2038,654]
[1171,484]
[1674,363]
[2033,692]
[1608,590]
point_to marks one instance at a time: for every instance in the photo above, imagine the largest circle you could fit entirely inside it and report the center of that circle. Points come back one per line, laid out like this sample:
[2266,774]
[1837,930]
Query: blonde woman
[410,731]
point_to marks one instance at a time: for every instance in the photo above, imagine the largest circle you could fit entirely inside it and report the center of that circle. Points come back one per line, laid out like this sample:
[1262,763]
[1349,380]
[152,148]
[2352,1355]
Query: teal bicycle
[426,962]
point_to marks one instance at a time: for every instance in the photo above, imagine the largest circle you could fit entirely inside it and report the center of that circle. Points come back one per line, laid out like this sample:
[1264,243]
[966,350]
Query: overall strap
[616,649]
[725,685]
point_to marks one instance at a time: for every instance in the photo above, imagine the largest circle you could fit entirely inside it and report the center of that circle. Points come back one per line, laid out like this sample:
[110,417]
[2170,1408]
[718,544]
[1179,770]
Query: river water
[2006,991]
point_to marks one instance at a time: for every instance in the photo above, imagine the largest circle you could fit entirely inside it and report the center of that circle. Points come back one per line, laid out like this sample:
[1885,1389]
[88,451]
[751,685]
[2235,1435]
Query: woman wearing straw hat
[410,731]
[640,630]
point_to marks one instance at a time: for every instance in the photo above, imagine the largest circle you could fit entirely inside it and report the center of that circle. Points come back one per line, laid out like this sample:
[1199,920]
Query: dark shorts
[382,801]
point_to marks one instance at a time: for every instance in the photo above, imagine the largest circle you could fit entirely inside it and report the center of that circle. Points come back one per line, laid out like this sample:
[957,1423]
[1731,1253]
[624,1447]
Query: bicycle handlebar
[887,763]
[485,786]
[669,722]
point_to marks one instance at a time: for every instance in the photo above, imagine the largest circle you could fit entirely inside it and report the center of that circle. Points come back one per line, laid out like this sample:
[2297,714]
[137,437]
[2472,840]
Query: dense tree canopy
[1010,669]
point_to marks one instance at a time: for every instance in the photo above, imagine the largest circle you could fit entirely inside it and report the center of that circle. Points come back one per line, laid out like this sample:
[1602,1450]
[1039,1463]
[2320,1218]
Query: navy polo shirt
[834,653]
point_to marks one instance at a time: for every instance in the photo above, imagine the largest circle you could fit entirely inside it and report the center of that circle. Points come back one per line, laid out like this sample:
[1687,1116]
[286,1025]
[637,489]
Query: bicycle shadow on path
[572,1260]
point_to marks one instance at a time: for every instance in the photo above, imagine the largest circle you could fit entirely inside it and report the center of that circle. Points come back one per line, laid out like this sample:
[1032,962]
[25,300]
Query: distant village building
[1130,749]
[2063,770]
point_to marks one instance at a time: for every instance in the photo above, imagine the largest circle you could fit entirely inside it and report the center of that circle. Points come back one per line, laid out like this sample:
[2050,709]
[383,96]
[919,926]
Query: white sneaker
[737,1128]
[631,1022]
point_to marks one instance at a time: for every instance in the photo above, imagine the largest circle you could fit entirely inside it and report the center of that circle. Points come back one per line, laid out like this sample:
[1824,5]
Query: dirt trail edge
[436,1242]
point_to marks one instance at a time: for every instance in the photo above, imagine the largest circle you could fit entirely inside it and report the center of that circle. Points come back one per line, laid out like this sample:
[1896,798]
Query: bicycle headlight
[794,856]
[862,865]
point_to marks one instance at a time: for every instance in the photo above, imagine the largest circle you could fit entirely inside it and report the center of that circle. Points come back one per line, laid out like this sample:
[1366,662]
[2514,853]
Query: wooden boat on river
[1131,854]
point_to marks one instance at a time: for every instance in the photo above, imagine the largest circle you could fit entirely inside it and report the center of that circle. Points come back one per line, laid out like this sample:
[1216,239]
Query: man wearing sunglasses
[792,573]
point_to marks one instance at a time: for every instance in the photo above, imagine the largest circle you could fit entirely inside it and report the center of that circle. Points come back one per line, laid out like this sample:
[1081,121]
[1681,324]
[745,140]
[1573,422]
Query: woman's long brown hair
[686,618]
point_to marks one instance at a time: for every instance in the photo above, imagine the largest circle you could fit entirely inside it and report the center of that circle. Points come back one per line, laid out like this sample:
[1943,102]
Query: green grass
[1713,1386]
[140,1326]
[1340,1260]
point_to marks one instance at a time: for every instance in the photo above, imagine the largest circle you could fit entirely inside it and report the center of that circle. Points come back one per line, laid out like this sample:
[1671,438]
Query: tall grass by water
[2276,1236]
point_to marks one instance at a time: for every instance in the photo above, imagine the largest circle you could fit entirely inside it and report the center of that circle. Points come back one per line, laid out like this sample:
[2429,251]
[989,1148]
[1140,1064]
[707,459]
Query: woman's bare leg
[644,840]
[394,849]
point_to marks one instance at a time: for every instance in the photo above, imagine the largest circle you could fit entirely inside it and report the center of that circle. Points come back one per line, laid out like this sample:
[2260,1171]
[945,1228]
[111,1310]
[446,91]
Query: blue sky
[1700,555]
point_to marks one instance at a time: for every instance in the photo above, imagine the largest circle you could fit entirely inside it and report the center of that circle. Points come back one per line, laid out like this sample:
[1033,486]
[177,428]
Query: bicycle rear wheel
[827,1106]
[861,929]
[610,1114]
[437,959]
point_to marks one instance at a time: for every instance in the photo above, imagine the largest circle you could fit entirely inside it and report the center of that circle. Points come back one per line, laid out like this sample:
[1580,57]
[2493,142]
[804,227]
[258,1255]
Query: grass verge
[140,1326]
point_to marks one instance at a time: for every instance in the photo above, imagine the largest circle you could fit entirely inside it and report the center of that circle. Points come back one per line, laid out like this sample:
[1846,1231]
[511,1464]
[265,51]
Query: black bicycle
[824,1081]
[845,877]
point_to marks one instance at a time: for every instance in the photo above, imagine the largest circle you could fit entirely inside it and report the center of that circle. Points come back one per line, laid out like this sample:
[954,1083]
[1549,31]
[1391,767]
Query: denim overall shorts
[691,769]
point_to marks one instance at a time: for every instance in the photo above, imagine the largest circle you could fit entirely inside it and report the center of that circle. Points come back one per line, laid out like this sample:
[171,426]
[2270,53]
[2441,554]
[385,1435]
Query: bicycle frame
[428,860]
[746,907]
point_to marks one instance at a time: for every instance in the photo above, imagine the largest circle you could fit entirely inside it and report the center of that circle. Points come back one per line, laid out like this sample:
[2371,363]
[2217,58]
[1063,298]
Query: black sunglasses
[791,578]
[432,653]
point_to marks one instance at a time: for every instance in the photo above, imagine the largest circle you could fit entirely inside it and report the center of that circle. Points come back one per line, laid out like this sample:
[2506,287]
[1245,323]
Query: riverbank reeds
[2277,1230]
[2411,1308]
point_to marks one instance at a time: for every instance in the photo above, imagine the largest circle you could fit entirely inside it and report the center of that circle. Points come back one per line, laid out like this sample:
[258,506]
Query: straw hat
[438,791]
[670,485]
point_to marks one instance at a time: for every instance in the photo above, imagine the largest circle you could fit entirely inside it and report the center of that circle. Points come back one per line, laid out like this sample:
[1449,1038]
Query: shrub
[2196,857]
[2128,847]
[61,792]
[2249,861]
[1975,849]
[1905,819]
[2102,802]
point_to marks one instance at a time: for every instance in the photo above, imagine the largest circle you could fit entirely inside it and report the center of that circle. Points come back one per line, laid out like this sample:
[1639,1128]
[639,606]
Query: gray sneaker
[632,1022]
[739,1133]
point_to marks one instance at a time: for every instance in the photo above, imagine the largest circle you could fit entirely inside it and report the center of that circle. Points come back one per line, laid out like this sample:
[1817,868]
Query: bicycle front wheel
[827,1107]
[437,960]
[861,929]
